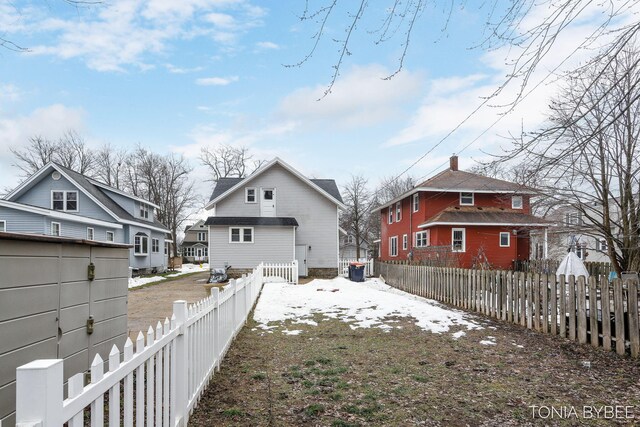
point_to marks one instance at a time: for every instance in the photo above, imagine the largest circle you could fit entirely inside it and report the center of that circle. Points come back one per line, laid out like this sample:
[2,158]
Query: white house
[276,214]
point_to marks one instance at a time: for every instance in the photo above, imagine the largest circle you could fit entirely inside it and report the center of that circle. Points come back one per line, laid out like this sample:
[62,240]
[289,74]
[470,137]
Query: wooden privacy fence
[551,266]
[594,310]
[159,383]
[343,266]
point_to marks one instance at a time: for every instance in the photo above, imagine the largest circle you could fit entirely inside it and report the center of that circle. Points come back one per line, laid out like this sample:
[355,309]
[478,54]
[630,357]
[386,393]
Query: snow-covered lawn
[362,305]
[186,269]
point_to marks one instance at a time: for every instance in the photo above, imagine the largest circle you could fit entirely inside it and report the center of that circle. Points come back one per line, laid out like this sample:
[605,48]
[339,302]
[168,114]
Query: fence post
[39,394]
[234,308]
[215,294]
[181,372]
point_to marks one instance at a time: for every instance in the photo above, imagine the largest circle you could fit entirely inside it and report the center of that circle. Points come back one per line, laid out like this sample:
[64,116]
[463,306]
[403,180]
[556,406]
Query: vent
[55,175]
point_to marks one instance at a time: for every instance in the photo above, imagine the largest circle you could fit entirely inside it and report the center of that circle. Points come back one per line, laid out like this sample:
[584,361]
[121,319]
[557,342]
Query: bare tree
[226,161]
[506,25]
[111,164]
[356,220]
[70,151]
[588,157]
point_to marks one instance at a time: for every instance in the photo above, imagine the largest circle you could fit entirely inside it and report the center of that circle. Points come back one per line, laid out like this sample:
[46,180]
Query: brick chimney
[453,163]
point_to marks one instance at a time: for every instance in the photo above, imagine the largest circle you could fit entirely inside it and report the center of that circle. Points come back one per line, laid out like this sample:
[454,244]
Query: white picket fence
[275,271]
[161,381]
[343,266]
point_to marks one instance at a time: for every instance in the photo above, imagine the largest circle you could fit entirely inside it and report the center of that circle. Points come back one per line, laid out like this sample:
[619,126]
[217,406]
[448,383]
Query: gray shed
[52,308]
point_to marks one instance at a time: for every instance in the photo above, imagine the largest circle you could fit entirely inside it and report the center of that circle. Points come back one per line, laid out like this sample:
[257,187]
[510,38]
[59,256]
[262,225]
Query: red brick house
[458,218]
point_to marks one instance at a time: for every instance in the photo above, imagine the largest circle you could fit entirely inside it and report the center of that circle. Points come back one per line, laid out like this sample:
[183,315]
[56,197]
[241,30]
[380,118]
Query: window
[64,200]
[466,199]
[155,245]
[458,243]
[516,202]
[89,233]
[391,214]
[250,195]
[398,211]
[144,211]
[202,236]
[393,246]
[422,239]
[110,236]
[55,229]
[602,244]
[505,239]
[349,239]
[141,244]
[3,226]
[405,242]
[416,202]
[241,235]
[573,218]
[166,248]
[581,250]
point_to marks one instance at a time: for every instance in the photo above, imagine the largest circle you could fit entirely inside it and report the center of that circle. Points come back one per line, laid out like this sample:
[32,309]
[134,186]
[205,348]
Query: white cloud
[50,122]
[181,70]
[359,98]
[268,45]
[9,93]
[216,81]
[122,33]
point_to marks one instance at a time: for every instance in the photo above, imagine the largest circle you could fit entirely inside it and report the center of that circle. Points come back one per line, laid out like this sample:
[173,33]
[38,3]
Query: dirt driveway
[149,305]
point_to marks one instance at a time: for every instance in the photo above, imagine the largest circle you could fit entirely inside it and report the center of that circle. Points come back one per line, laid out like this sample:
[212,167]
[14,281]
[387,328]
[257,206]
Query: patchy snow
[362,305]
[489,341]
[458,334]
[134,282]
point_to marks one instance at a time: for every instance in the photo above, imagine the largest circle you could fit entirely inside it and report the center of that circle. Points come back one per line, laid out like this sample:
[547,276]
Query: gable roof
[92,191]
[455,181]
[225,186]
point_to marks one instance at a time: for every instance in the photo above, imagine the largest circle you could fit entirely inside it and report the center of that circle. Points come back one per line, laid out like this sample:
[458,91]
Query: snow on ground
[362,305]
[134,282]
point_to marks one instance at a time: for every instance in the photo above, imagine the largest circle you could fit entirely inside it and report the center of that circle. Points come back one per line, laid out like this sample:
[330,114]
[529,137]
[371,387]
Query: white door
[199,254]
[301,257]
[268,202]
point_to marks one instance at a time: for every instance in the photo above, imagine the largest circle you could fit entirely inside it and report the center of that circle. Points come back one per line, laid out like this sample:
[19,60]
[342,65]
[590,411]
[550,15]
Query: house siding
[316,215]
[271,244]
[22,222]
[40,195]
[129,205]
[151,260]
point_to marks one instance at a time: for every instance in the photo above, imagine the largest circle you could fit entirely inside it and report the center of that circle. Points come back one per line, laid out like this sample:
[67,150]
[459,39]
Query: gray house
[195,246]
[348,248]
[275,214]
[60,202]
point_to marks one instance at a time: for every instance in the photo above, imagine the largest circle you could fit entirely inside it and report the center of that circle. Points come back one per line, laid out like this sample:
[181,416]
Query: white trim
[487,224]
[473,198]
[508,239]
[416,202]
[246,195]
[405,242]
[143,225]
[4,225]
[136,237]
[514,197]
[93,233]
[156,240]
[391,239]
[59,229]
[390,215]
[65,201]
[399,211]
[464,239]
[113,236]
[58,214]
[253,237]
[120,192]
[265,167]
[427,238]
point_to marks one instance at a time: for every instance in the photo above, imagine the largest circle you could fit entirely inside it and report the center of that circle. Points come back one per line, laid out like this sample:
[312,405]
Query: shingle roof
[483,216]
[330,186]
[223,185]
[106,201]
[457,180]
[252,220]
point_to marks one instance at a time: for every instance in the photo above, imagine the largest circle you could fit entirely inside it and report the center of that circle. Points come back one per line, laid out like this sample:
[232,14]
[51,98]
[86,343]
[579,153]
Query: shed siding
[316,215]
[271,244]
[40,195]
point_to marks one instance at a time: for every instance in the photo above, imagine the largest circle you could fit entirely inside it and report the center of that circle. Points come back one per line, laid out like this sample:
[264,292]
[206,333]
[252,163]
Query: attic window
[466,199]
[144,211]
[64,201]
[250,195]
[516,202]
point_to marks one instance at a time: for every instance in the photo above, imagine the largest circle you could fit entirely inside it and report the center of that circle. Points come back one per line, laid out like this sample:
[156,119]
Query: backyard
[337,353]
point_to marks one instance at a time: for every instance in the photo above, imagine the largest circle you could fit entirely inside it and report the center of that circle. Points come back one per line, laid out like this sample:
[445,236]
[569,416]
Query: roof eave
[485,224]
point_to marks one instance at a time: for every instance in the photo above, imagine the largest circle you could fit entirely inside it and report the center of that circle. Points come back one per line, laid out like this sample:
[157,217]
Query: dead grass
[331,375]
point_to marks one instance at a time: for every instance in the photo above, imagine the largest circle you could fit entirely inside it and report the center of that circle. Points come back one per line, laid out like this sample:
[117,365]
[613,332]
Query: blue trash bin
[356,272]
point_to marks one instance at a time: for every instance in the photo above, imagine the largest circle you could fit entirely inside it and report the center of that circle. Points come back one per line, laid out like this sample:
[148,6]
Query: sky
[174,76]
